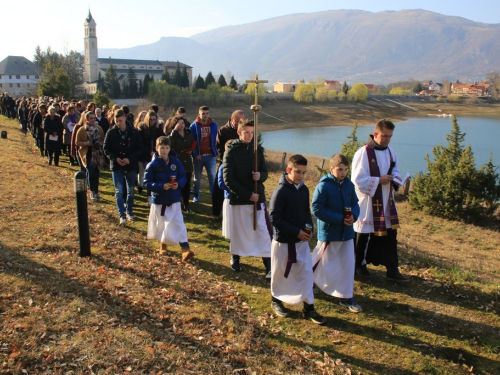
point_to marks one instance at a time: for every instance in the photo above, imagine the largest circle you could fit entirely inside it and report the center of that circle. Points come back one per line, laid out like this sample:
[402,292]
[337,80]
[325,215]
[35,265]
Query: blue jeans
[119,180]
[209,162]
[93,178]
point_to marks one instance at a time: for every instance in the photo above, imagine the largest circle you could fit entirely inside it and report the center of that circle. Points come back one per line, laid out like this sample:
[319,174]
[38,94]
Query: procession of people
[356,219]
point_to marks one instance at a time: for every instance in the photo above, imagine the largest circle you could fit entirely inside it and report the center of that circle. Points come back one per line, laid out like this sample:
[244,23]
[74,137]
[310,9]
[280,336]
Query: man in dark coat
[123,146]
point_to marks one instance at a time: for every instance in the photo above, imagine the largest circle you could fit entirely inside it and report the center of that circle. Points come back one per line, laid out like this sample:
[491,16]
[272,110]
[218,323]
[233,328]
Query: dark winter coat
[238,167]
[178,144]
[329,199]
[147,141]
[158,173]
[128,144]
[224,134]
[51,126]
[103,123]
[289,211]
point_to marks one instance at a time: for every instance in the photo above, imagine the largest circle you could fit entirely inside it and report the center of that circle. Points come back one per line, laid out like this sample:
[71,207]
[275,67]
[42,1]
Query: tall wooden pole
[256,109]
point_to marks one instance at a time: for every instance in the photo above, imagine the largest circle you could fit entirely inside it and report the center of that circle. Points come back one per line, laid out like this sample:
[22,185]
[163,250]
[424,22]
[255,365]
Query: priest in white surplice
[374,167]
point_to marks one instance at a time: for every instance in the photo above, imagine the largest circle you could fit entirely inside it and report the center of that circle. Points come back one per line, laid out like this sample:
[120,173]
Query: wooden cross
[256,109]
[378,205]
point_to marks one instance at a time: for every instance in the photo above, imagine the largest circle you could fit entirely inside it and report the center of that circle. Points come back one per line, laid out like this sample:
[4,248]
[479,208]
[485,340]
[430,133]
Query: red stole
[377,199]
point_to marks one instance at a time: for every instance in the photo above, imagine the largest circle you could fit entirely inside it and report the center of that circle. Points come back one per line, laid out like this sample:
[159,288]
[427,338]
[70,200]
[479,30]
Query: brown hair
[297,159]
[244,122]
[162,141]
[384,124]
[338,159]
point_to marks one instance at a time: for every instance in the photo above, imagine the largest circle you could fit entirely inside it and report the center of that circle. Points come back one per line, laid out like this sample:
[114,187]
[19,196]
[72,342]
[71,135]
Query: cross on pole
[256,109]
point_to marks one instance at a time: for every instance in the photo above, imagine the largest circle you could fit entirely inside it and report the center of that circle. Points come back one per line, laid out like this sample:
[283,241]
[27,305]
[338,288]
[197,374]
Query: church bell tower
[91,71]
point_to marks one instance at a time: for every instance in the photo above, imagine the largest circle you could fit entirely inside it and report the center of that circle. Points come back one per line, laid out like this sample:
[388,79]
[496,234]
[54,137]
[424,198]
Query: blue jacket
[195,130]
[329,199]
[221,184]
[158,173]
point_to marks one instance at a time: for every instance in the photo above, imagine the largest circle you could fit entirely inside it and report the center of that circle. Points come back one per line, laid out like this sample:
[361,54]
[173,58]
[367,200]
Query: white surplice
[298,286]
[168,229]
[366,186]
[245,241]
[334,273]
[226,218]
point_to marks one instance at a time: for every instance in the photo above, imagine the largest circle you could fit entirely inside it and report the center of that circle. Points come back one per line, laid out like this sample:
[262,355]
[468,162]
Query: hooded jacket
[329,199]
[158,173]
[289,210]
[238,167]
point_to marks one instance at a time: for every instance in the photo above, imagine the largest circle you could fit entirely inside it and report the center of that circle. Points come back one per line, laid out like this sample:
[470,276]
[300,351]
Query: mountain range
[352,45]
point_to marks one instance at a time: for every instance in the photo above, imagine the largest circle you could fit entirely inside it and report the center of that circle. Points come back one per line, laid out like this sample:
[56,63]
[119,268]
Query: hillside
[347,45]
[129,310]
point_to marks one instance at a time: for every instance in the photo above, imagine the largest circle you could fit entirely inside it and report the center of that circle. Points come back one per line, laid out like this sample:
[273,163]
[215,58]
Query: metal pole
[82,213]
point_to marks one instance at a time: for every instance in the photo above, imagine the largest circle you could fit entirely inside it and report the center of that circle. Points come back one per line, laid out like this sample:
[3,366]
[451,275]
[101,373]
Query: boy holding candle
[335,205]
[165,177]
[291,262]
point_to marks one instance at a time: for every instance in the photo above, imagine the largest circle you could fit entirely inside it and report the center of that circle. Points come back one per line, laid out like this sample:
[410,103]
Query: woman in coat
[53,129]
[69,121]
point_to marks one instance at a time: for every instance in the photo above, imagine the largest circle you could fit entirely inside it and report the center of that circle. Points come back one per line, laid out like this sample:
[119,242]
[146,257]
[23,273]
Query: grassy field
[128,310]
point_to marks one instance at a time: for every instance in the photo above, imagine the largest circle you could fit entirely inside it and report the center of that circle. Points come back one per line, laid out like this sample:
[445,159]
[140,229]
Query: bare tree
[446,90]
[494,79]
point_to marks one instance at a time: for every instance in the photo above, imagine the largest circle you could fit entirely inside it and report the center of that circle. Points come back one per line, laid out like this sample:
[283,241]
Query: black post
[82,213]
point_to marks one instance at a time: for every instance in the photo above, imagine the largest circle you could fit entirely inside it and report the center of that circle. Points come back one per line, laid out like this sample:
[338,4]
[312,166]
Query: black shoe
[235,263]
[139,189]
[363,271]
[397,277]
[311,314]
[279,309]
[267,265]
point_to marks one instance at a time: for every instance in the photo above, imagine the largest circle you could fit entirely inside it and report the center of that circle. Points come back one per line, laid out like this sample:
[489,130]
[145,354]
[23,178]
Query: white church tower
[91,71]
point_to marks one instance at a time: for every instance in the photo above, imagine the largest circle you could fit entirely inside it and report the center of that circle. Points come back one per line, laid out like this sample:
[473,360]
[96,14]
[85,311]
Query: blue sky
[127,23]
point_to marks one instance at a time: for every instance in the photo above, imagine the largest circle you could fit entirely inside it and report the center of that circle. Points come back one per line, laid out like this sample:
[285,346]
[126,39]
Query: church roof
[89,17]
[128,61]
[170,64]
[19,65]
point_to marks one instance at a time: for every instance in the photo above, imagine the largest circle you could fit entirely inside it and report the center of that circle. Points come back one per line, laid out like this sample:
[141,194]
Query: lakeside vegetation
[128,310]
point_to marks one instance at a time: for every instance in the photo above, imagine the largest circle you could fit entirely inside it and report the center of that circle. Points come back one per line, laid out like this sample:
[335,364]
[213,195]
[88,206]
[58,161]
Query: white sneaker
[268,276]
[93,196]
[123,220]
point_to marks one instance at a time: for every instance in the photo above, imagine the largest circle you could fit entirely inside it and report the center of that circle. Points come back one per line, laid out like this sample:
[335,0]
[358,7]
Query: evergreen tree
[111,82]
[177,76]
[166,75]
[184,78]
[145,85]
[209,79]
[418,87]
[222,81]
[453,187]
[350,147]
[54,82]
[233,83]
[140,88]
[133,91]
[100,83]
[126,90]
[200,83]
[345,88]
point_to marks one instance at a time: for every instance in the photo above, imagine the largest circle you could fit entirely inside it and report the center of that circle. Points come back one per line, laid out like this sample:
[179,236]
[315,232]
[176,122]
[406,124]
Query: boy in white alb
[291,262]
[333,257]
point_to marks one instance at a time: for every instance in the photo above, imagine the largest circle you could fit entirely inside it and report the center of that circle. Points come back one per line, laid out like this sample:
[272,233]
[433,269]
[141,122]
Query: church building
[95,65]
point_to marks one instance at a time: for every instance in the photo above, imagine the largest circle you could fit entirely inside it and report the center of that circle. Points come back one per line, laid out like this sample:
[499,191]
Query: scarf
[377,199]
[97,152]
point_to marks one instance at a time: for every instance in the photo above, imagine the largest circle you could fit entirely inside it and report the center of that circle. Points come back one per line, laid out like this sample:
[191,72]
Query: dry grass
[128,310]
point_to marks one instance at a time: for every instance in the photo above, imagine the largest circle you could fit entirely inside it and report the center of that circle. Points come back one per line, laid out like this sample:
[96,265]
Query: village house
[95,65]
[284,86]
[428,92]
[19,76]
[371,88]
[333,85]
[478,89]
[436,87]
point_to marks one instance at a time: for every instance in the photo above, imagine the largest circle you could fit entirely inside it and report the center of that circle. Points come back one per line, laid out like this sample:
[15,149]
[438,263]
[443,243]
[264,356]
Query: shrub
[332,95]
[453,98]
[100,99]
[304,93]
[453,187]
[321,95]
[341,96]
[358,92]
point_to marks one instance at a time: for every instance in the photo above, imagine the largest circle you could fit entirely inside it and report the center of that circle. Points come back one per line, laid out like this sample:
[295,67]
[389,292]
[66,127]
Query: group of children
[281,237]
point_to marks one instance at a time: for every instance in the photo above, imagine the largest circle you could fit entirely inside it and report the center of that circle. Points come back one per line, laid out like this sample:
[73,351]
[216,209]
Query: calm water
[412,139]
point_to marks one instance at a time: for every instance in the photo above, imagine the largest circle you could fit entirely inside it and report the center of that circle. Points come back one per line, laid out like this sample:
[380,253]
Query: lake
[412,139]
